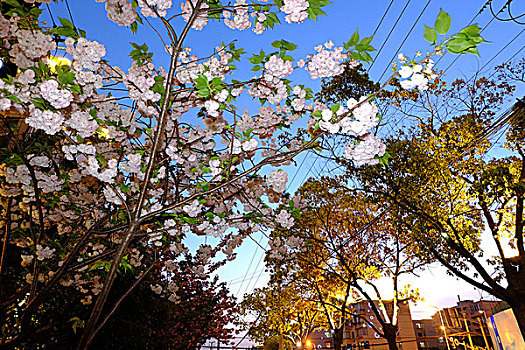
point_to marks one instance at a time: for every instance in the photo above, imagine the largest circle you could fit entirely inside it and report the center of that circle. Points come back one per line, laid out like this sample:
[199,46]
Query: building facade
[359,334]
[466,322]
[427,336]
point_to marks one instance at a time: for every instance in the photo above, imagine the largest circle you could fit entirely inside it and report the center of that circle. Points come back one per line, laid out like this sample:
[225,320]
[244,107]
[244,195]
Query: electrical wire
[497,54]
[383,17]
[388,36]
[249,265]
[404,40]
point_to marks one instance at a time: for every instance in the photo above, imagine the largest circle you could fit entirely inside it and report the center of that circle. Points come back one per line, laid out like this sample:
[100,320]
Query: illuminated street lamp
[307,344]
[442,327]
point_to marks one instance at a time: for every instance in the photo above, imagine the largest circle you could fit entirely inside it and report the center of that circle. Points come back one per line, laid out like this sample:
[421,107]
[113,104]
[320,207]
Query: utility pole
[444,329]
[482,330]
[468,331]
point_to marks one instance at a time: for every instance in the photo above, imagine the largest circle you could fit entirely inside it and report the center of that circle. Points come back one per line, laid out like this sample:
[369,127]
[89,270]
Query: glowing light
[308,343]
[442,328]
[103,132]
[53,61]
[1,63]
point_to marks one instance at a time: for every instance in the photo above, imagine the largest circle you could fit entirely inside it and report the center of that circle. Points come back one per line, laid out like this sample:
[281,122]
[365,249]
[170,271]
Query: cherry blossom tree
[94,184]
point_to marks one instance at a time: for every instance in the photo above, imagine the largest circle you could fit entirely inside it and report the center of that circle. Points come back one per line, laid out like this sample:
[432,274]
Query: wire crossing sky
[398,27]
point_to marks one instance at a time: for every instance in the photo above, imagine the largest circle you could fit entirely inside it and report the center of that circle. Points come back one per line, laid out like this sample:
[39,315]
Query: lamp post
[442,327]
[468,330]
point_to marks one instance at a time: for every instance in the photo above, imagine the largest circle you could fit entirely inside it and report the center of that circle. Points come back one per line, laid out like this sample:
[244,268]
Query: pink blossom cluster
[365,151]
[417,75]
[50,122]
[83,123]
[274,91]
[241,18]
[113,196]
[277,249]
[44,252]
[85,53]
[59,98]
[92,167]
[139,81]
[5,27]
[120,11]
[284,219]
[276,67]
[327,62]
[295,10]
[298,103]
[31,45]
[357,120]
[278,180]
[151,8]
[266,119]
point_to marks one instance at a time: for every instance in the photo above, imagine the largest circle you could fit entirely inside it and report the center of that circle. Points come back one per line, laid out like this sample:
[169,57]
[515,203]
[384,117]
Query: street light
[307,344]
[442,327]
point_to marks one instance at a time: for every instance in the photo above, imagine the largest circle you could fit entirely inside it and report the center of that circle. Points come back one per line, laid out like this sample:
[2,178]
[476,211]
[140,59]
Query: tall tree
[339,247]
[281,310]
[458,186]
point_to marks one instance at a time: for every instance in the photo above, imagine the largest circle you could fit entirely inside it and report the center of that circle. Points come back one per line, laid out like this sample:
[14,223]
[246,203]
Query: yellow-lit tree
[339,248]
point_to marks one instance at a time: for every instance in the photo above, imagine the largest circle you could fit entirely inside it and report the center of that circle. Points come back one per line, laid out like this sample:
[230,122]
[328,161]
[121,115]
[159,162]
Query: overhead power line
[511,16]
[499,52]
[388,36]
[404,40]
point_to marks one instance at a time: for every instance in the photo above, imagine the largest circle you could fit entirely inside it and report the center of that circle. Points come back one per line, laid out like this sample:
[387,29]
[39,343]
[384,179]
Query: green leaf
[384,159]
[256,68]
[354,39]
[13,3]
[366,41]
[472,30]
[255,59]
[289,46]
[430,35]
[65,31]
[66,23]
[459,45]
[366,56]
[473,50]
[66,78]
[134,27]
[443,22]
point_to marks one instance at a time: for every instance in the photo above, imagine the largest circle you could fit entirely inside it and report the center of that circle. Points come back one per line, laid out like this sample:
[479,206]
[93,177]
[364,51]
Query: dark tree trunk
[338,338]
[390,334]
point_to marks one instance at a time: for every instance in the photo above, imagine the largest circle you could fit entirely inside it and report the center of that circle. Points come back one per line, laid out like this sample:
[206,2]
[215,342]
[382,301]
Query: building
[427,337]
[466,322]
[358,333]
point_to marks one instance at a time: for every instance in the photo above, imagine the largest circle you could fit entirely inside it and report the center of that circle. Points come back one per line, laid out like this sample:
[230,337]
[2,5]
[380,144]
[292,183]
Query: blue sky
[343,17]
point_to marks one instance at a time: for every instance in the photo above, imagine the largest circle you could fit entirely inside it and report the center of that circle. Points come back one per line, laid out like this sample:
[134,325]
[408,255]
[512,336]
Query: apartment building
[427,336]
[466,322]
[359,334]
